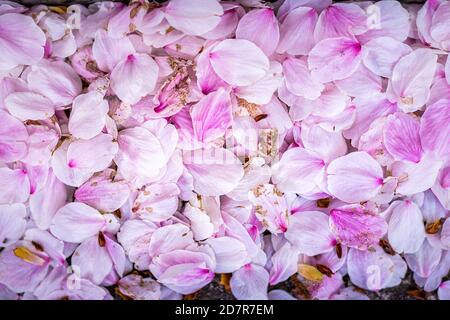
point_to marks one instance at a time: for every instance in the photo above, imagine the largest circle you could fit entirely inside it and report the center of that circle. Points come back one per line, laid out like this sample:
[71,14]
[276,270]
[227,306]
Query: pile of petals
[149,149]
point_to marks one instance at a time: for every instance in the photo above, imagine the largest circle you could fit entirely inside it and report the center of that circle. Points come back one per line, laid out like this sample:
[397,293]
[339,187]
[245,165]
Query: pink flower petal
[411,79]
[250,283]
[357,227]
[215,171]
[374,269]
[193,18]
[401,137]
[434,129]
[211,116]
[103,193]
[406,231]
[134,77]
[230,253]
[386,19]
[340,20]
[94,155]
[334,59]
[140,153]
[16,186]
[21,41]
[297,31]
[299,171]
[55,80]
[88,116]
[235,68]
[260,26]
[13,138]
[12,223]
[309,233]
[382,54]
[76,222]
[355,177]
[29,106]
[299,81]
[46,202]
[108,52]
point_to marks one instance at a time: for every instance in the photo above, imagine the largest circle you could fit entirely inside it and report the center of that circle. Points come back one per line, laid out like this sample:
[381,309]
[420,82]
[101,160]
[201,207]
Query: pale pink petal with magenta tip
[215,171]
[108,52]
[297,31]
[340,20]
[381,55]
[309,233]
[250,283]
[12,223]
[13,138]
[207,79]
[231,254]
[71,176]
[211,116]
[134,77]
[424,21]
[55,80]
[447,69]
[406,231]
[236,69]
[411,79]
[357,227]
[334,59]
[88,116]
[401,137]
[299,171]
[94,155]
[355,177]
[435,129]
[21,41]
[29,106]
[193,18]
[260,26]
[16,185]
